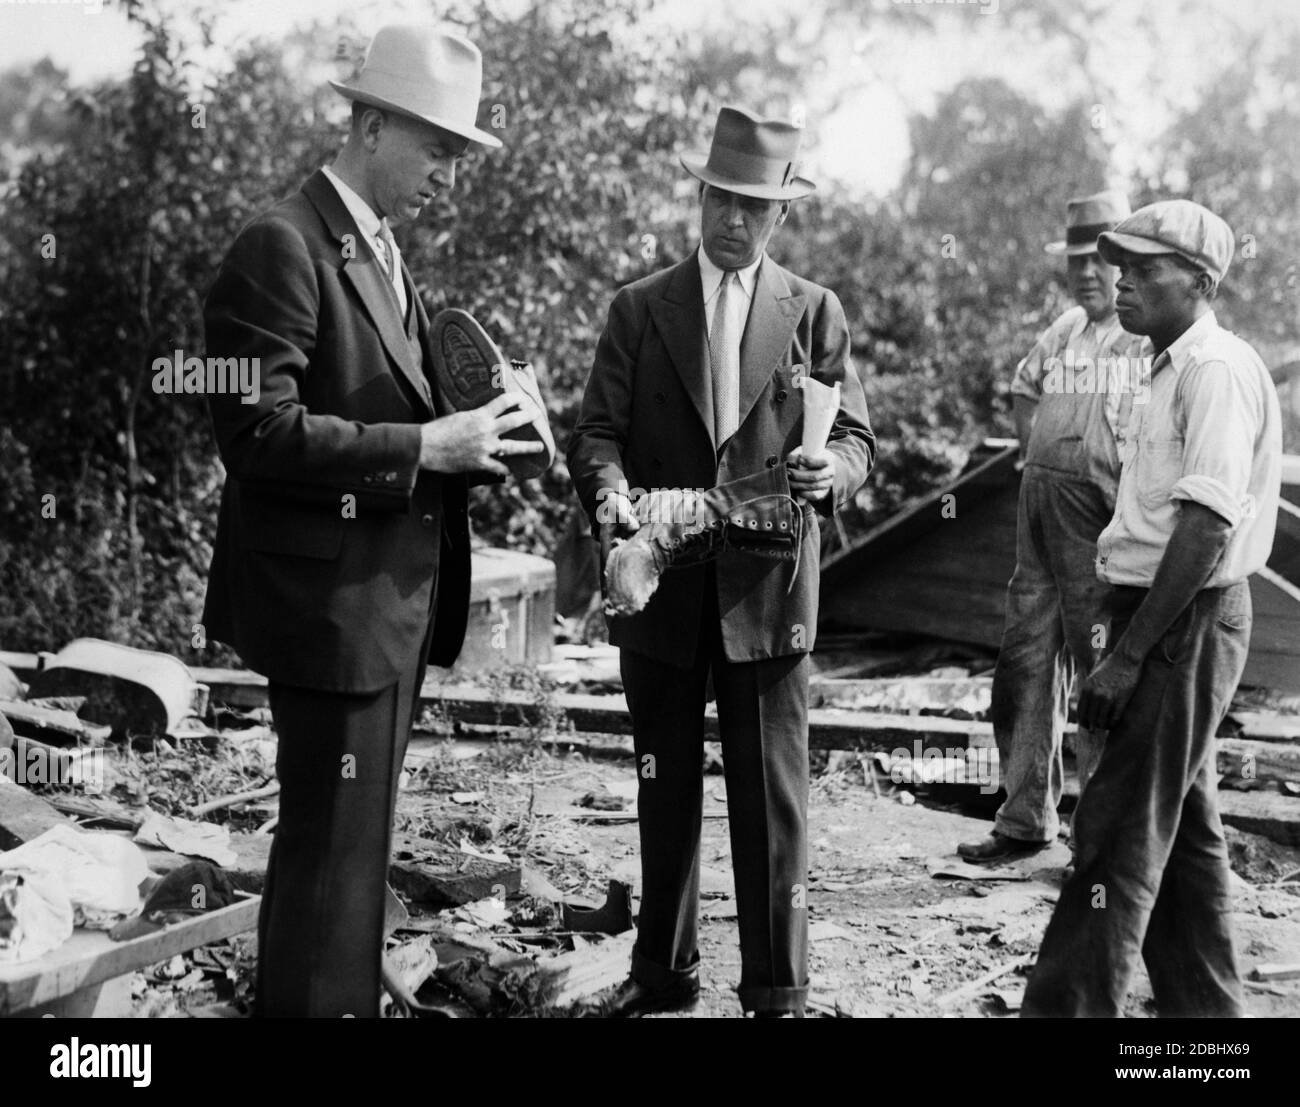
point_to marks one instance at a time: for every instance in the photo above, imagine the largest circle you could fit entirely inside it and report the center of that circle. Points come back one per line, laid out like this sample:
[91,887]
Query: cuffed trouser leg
[762,717]
[667,708]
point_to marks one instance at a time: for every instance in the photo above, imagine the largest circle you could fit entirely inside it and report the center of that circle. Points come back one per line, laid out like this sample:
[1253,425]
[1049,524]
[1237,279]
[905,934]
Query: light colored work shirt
[1084,376]
[1212,434]
[368,222]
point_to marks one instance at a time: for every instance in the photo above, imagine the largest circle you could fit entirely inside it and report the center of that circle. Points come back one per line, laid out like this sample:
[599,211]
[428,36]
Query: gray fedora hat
[1086,217]
[752,157]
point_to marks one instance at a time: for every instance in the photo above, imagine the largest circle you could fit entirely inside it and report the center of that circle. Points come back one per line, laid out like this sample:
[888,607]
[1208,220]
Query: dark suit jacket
[306,594]
[647,419]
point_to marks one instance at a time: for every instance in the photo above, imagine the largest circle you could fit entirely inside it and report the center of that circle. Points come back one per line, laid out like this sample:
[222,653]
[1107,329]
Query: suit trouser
[1151,866]
[1054,606]
[763,723]
[320,932]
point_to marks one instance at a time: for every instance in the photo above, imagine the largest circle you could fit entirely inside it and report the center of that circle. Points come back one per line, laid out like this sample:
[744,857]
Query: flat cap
[1173,227]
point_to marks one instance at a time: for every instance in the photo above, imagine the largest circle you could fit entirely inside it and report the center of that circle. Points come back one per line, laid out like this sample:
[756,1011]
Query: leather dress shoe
[469,370]
[631,999]
[998,847]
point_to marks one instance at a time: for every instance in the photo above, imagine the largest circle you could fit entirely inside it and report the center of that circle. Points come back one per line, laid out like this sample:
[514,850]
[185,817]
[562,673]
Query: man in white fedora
[1072,394]
[341,564]
[699,382]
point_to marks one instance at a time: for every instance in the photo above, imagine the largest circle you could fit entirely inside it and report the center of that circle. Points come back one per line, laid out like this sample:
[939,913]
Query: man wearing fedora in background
[1195,514]
[341,564]
[697,383]
[1071,395]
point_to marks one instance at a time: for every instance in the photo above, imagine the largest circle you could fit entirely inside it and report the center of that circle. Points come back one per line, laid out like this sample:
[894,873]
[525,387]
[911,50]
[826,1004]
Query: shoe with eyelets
[632,1000]
[469,370]
[755,515]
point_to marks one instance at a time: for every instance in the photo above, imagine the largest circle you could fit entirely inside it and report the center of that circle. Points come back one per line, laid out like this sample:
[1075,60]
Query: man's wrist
[1129,651]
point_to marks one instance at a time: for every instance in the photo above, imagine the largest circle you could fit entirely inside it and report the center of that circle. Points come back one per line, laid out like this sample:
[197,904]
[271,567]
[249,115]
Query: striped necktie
[724,360]
[390,261]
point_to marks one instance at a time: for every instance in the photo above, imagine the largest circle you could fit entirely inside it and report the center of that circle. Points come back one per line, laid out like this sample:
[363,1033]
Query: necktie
[389,244]
[724,360]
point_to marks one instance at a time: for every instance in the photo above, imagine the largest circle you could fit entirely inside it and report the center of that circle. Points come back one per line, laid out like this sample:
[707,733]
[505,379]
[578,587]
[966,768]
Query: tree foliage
[120,199]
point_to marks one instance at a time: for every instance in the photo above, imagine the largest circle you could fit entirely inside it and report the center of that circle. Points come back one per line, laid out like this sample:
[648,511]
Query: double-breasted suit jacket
[330,539]
[647,422]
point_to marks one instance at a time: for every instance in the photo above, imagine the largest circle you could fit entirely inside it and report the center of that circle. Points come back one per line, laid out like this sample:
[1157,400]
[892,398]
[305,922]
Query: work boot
[755,514]
[998,847]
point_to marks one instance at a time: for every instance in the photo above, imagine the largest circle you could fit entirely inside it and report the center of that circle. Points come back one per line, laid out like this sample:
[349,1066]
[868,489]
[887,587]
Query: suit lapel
[363,272]
[773,315]
[679,317]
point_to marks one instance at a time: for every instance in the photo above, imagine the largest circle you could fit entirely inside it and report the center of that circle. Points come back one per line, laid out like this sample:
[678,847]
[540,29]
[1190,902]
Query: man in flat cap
[1195,514]
[1072,395]
[698,382]
[341,563]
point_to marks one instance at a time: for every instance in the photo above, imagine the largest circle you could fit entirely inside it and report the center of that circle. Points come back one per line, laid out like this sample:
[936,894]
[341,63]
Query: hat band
[420,96]
[1086,233]
[750,169]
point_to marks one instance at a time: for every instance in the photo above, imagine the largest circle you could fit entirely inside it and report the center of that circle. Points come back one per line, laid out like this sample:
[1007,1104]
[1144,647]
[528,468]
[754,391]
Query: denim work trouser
[1054,614]
[1151,871]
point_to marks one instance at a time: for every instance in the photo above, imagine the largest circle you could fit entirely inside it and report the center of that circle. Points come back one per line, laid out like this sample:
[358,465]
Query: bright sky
[893,72]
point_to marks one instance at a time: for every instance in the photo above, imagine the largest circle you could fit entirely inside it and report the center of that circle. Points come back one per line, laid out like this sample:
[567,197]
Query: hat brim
[1077,249]
[464,130]
[697,166]
[1111,244]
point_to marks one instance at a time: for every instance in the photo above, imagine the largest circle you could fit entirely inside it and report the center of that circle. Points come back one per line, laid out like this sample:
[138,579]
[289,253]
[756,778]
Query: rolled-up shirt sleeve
[1027,380]
[1223,422]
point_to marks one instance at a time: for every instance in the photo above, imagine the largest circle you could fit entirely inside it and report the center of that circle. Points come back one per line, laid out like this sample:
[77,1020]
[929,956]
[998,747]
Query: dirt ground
[889,937]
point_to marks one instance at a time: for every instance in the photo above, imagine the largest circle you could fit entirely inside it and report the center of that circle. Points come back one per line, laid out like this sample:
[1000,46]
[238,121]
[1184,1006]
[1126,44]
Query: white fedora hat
[432,75]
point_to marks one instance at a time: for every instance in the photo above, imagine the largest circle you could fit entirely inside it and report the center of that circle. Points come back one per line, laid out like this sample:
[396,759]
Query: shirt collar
[711,275]
[367,220]
[1177,352]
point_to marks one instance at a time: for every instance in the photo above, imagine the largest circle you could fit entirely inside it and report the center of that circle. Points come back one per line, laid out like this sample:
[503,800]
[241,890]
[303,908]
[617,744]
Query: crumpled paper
[188,836]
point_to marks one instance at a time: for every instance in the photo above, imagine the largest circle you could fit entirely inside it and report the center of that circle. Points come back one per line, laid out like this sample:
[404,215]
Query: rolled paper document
[820,403]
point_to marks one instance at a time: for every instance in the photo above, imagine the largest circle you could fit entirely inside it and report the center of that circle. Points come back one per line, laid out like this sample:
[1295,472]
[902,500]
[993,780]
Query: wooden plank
[90,957]
[25,815]
[1245,759]
[591,714]
[1267,727]
[1262,812]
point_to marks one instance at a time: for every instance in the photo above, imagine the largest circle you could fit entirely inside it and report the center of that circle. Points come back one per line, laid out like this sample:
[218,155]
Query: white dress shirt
[369,222]
[711,278]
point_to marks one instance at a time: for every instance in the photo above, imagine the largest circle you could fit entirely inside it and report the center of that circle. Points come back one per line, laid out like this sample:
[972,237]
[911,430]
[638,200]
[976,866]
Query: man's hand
[1107,691]
[811,478]
[471,441]
[617,519]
